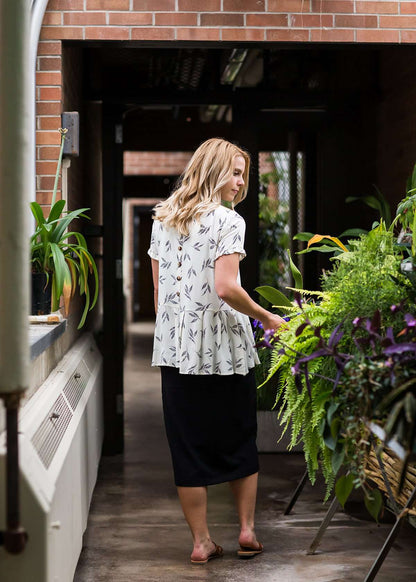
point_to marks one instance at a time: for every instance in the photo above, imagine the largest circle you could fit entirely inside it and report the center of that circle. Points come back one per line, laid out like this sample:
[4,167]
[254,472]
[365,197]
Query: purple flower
[257,323]
[410,320]
[268,334]
[298,299]
[263,343]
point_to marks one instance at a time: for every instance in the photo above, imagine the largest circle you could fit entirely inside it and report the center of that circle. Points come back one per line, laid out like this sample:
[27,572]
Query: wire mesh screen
[278,201]
[300,170]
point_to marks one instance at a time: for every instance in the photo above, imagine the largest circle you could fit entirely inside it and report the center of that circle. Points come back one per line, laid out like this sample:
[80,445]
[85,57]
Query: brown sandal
[246,552]
[217,553]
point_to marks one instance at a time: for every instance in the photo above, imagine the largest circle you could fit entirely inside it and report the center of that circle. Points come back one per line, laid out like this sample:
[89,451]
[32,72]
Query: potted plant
[59,256]
[336,357]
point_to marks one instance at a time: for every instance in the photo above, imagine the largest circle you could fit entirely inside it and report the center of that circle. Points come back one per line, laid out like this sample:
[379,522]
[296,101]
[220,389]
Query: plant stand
[385,475]
[298,491]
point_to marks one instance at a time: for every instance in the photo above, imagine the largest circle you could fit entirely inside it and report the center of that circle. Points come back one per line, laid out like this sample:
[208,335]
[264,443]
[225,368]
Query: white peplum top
[196,331]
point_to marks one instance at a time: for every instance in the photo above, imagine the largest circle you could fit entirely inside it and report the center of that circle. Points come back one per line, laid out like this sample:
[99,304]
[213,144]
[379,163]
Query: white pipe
[15,188]
[37,10]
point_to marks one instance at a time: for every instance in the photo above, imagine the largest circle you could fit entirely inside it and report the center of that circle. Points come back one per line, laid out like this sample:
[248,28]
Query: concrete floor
[136,530]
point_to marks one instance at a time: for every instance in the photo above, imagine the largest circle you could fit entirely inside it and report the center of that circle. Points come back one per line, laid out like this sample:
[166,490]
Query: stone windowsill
[43,335]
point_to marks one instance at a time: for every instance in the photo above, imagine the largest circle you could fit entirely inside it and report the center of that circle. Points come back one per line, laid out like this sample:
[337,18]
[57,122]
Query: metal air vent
[75,386]
[48,436]
[91,357]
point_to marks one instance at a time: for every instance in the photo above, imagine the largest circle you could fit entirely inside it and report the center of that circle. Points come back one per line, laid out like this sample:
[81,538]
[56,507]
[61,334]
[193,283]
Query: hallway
[136,530]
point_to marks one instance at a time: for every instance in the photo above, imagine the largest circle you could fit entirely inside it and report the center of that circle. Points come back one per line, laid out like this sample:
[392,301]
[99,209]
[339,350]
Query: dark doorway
[143,307]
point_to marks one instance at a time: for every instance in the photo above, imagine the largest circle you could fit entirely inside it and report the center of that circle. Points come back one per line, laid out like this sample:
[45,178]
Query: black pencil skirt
[211,426]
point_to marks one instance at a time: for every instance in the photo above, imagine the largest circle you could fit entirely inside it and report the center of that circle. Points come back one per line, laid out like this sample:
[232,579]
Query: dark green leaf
[335,426]
[64,223]
[343,488]
[297,275]
[391,397]
[337,458]
[371,201]
[332,408]
[37,213]
[304,236]
[273,296]
[374,503]
[329,440]
[353,232]
[56,211]
[321,249]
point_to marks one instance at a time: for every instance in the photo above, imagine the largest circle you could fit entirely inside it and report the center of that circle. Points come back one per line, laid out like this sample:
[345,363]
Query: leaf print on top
[194,317]
[171,298]
[196,331]
[163,264]
[187,291]
[201,306]
[207,265]
[203,229]
[192,335]
[205,288]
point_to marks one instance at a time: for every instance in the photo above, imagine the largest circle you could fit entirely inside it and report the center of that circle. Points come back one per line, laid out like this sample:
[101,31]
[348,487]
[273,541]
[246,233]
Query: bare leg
[194,507]
[245,493]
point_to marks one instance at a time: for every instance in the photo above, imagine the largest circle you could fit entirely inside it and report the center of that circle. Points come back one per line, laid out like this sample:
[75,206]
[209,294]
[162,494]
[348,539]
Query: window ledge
[42,336]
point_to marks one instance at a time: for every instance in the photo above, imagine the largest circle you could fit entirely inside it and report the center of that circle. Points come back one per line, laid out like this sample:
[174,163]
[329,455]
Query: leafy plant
[347,357]
[312,355]
[302,406]
[62,255]
[365,279]
[377,383]
[376,201]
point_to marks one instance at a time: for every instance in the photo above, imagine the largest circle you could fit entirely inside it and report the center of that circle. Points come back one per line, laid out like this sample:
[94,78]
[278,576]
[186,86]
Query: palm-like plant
[63,256]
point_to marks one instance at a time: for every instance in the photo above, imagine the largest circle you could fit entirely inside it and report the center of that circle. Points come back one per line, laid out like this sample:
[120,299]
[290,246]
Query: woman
[204,343]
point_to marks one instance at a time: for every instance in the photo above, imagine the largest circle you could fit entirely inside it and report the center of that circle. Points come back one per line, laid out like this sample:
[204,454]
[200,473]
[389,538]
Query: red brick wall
[355,21]
[49,103]
[155,163]
[250,20]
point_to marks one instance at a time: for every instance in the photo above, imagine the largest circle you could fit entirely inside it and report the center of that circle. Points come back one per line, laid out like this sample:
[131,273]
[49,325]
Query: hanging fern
[301,411]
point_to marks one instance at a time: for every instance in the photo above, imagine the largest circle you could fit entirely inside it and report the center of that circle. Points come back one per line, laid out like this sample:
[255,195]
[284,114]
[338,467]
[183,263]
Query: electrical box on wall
[70,121]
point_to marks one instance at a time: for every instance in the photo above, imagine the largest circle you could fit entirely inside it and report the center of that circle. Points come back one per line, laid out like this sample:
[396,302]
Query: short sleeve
[153,251]
[231,239]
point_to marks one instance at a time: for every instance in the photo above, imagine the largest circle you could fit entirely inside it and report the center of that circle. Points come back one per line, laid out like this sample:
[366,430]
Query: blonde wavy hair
[199,187]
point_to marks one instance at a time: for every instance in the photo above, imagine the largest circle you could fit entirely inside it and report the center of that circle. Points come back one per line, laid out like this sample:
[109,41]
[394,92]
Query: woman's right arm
[155,275]
[227,287]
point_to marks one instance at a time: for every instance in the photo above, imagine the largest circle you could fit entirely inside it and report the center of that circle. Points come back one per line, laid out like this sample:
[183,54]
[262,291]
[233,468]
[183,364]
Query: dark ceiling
[120,71]
[188,94]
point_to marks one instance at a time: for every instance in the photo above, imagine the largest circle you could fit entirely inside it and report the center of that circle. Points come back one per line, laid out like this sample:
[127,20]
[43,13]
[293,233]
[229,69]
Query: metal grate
[90,358]
[48,436]
[75,386]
